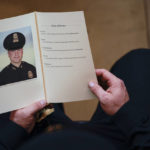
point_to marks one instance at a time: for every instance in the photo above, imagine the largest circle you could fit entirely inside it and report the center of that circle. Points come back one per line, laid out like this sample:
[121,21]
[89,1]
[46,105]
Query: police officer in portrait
[17,70]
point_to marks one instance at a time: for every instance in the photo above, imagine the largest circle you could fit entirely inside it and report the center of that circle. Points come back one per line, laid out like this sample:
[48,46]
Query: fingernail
[91,84]
[43,102]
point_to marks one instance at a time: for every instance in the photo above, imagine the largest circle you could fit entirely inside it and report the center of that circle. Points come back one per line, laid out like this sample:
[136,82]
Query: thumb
[35,107]
[96,89]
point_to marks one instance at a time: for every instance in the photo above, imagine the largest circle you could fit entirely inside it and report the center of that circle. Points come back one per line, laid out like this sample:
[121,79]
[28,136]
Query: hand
[114,97]
[25,117]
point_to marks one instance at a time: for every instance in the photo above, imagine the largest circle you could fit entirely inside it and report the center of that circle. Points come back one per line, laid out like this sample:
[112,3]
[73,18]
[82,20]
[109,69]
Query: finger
[97,90]
[106,76]
[35,107]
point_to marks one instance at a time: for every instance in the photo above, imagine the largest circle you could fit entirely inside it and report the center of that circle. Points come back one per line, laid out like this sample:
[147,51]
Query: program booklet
[44,56]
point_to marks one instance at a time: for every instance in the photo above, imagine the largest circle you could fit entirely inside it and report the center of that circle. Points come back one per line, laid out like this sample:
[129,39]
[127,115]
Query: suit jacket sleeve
[11,135]
[134,123]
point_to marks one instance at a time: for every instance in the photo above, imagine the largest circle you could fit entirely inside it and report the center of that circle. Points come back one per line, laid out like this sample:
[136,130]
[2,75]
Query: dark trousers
[134,69]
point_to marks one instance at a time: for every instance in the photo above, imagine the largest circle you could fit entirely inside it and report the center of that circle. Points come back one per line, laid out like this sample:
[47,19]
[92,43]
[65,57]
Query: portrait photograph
[17,59]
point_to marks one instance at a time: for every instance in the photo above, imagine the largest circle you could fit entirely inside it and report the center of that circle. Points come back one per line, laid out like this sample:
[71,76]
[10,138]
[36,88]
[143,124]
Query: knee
[139,51]
[134,57]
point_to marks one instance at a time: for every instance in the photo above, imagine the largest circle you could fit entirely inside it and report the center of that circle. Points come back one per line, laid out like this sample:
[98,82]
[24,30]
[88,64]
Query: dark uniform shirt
[12,73]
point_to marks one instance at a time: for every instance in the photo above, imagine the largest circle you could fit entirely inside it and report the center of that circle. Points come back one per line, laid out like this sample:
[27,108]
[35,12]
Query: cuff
[11,135]
[129,117]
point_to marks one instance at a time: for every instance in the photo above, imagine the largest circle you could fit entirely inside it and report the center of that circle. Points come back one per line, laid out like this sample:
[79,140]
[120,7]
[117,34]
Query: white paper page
[67,60]
[22,93]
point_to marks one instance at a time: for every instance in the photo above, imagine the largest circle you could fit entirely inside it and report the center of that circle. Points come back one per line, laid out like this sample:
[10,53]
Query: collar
[14,67]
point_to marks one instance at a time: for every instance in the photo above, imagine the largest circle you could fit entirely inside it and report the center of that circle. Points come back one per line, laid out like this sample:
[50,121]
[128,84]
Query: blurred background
[114,28]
